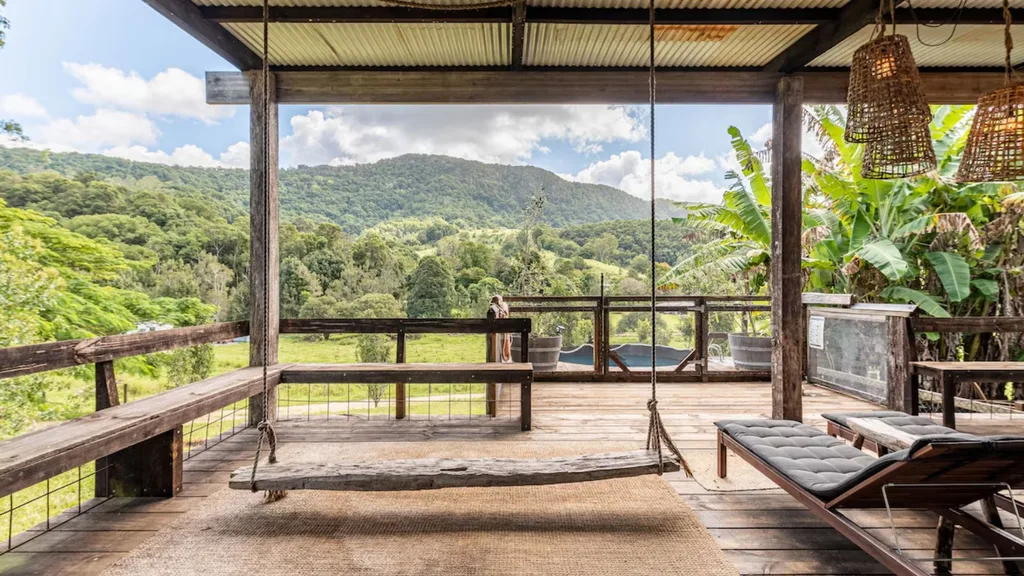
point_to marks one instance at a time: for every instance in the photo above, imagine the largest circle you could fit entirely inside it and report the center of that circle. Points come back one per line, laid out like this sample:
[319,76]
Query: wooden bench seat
[36,456]
[418,373]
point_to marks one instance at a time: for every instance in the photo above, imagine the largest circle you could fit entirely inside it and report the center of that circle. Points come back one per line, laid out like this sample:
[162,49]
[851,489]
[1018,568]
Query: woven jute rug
[614,527]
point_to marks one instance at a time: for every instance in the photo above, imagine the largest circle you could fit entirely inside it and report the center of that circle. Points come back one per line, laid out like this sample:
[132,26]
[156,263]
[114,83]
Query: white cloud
[500,134]
[236,156]
[172,92]
[762,135]
[20,106]
[630,172]
[92,133]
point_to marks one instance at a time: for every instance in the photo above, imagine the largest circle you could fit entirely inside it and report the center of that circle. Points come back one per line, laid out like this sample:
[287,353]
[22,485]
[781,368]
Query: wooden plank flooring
[760,532]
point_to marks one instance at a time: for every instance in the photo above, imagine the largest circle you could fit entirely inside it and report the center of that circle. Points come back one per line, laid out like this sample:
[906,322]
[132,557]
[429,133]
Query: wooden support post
[597,339]
[400,386]
[605,337]
[106,397]
[787,208]
[106,386]
[263,221]
[902,391]
[150,468]
[493,355]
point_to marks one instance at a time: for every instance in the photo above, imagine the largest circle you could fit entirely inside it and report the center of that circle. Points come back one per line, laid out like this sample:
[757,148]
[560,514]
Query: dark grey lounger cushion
[822,465]
[914,425]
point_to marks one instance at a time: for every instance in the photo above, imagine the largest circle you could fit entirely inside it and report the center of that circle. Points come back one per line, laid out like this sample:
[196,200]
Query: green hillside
[473,194]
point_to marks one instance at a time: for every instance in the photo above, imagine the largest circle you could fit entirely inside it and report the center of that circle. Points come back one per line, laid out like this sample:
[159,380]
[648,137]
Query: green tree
[432,291]
[603,247]
[188,365]
[298,285]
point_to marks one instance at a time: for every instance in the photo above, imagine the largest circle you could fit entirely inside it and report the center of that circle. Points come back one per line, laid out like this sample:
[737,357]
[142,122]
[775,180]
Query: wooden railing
[141,443]
[699,306]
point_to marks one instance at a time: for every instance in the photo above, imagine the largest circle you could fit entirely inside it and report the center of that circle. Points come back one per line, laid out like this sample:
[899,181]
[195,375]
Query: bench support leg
[723,456]
[150,468]
[526,405]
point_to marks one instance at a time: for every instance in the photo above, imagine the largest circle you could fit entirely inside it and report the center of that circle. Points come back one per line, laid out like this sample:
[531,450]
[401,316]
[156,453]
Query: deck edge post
[900,395]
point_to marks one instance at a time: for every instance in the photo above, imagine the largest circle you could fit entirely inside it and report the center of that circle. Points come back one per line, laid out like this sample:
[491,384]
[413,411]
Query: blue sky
[114,77]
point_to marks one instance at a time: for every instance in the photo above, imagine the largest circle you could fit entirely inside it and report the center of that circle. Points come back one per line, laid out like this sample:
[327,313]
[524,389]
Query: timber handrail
[33,358]
[969,324]
[407,325]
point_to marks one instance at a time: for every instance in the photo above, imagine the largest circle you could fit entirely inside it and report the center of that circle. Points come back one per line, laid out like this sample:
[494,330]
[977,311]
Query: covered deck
[760,531]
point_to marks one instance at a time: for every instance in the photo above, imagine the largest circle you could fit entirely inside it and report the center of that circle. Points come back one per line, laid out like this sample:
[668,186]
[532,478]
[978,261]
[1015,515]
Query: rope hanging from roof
[657,435]
[265,427]
[995,145]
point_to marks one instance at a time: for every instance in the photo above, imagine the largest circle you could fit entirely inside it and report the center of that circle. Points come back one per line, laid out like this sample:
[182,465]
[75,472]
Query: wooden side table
[949,374]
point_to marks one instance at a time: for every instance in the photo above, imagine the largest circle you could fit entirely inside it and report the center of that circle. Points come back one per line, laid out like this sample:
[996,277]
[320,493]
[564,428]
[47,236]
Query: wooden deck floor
[761,532]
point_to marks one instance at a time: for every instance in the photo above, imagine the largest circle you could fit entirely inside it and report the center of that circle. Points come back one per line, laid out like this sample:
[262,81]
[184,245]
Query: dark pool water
[634,355]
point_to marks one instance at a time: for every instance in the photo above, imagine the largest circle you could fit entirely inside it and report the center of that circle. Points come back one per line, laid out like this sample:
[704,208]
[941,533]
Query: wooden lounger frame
[837,430]
[941,464]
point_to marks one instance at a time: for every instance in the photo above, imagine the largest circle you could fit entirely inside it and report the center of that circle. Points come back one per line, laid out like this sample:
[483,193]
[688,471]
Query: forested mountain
[357,197]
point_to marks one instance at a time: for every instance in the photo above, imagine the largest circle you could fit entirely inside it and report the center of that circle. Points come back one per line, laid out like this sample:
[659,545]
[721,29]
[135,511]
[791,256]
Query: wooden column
[786,280]
[902,392]
[106,397]
[263,217]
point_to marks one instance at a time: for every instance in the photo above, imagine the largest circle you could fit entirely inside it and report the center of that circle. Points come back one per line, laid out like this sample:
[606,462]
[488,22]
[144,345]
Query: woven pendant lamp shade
[995,146]
[885,95]
[907,152]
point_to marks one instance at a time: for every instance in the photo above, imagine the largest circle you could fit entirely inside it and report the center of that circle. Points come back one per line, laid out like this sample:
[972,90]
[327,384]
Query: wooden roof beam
[518,34]
[572,86]
[850,19]
[189,18]
[570,15]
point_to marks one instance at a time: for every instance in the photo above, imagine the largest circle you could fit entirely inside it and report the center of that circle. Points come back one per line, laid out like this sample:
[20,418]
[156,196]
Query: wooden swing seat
[435,473]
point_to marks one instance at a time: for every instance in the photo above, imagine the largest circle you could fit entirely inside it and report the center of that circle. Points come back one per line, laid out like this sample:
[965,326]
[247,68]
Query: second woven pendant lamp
[995,145]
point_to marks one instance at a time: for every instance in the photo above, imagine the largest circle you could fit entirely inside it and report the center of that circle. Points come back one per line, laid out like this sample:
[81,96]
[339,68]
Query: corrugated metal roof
[618,45]
[970,45]
[366,44]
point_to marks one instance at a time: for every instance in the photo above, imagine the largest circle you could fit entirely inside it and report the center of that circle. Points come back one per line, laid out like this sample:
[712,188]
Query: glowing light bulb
[884,66]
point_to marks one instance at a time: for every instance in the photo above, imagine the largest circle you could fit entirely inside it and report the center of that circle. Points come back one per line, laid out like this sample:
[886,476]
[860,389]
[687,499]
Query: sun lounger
[838,426]
[939,473]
